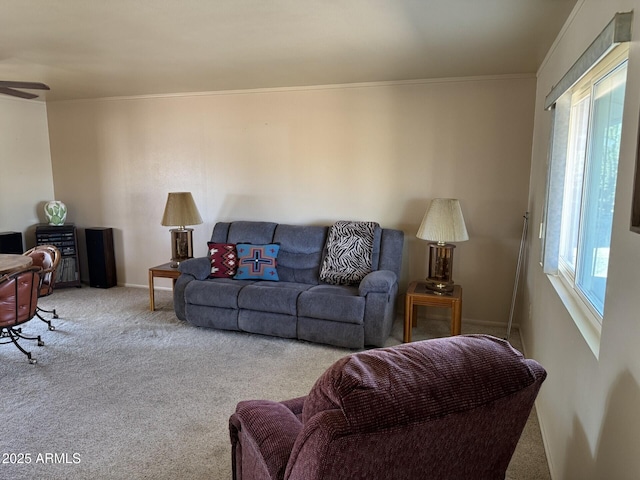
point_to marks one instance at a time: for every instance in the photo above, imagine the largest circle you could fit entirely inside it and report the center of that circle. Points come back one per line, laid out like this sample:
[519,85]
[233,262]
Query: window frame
[584,314]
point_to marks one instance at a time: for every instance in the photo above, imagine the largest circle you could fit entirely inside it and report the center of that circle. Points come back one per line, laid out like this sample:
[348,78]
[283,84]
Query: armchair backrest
[47,257]
[19,296]
[441,409]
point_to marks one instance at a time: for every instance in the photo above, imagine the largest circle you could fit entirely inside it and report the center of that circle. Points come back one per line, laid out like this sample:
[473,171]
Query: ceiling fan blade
[17,93]
[27,85]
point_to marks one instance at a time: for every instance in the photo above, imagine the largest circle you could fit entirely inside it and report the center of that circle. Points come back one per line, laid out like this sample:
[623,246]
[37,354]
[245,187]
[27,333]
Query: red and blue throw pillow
[257,262]
[224,260]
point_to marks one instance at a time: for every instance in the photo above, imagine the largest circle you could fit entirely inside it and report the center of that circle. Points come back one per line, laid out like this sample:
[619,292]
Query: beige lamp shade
[180,210]
[443,222]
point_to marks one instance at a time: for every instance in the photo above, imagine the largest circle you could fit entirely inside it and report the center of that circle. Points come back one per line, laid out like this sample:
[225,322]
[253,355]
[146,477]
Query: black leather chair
[18,303]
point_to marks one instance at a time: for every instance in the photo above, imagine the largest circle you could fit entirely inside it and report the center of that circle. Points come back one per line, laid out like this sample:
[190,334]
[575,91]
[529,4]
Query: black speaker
[101,259]
[11,242]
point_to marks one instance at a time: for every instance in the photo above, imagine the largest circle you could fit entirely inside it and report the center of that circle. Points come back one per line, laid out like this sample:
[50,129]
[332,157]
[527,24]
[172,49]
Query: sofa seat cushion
[338,303]
[216,292]
[273,297]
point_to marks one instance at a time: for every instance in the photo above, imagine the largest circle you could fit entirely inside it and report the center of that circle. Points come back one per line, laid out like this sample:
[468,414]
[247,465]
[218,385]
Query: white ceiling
[105,48]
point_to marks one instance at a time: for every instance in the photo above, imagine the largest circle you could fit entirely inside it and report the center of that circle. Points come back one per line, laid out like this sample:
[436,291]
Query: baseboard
[146,287]
[488,323]
[545,442]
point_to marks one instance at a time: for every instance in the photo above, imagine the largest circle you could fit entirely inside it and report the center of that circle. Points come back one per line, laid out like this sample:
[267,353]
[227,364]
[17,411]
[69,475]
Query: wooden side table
[161,271]
[419,295]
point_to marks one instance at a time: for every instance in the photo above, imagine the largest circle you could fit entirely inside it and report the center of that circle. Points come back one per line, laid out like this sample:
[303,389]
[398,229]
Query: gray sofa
[299,305]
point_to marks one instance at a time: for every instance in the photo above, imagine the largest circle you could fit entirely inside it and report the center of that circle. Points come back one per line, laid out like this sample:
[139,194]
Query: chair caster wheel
[33,361]
[55,315]
[40,343]
[51,327]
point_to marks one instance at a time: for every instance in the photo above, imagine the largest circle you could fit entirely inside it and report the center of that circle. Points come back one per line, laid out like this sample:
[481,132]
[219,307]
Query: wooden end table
[161,271]
[419,295]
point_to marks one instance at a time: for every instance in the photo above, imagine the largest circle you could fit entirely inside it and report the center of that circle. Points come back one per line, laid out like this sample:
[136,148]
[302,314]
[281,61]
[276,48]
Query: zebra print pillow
[349,252]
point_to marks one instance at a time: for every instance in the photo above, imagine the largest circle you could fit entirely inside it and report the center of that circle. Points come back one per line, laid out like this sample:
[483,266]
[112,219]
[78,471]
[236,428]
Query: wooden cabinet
[65,238]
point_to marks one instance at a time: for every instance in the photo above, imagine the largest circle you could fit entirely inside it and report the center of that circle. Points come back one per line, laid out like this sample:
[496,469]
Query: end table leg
[408,313]
[152,303]
[456,318]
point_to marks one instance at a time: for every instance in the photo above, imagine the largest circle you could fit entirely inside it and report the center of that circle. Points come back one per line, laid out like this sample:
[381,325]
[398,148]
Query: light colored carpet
[120,392]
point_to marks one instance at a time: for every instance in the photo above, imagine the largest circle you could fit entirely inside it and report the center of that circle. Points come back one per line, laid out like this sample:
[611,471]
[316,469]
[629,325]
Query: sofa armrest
[379,281]
[262,436]
[199,268]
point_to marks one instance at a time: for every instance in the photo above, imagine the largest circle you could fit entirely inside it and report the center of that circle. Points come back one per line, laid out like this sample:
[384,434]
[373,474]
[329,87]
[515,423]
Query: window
[595,126]
[582,184]
[587,105]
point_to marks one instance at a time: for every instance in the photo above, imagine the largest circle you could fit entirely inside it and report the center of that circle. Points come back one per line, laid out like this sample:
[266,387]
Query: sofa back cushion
[301,247]
[300,252]
[244,232]
[420,381]
[391,246]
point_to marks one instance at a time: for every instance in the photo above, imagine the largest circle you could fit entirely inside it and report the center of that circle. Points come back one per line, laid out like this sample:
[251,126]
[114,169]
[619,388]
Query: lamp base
[439,288]
[440,279]
[181,245]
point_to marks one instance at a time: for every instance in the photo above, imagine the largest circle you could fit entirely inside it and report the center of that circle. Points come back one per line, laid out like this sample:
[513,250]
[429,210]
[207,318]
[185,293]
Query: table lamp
[180,211]
[442,223]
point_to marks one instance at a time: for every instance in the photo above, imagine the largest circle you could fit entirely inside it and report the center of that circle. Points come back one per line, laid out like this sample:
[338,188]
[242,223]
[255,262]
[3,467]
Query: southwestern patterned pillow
[257,262]
[224,260]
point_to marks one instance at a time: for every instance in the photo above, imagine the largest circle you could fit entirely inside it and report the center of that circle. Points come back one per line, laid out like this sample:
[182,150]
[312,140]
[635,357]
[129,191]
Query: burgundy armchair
[451,408]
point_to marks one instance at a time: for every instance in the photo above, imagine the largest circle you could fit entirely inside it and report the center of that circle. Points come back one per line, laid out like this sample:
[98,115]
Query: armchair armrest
[379,281]
[199,268]
[295,405]
[263,434]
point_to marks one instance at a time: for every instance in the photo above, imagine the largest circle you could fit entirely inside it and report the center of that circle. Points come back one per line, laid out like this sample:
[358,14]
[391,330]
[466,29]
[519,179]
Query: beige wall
[26,182]
[308,156]
[589,407]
